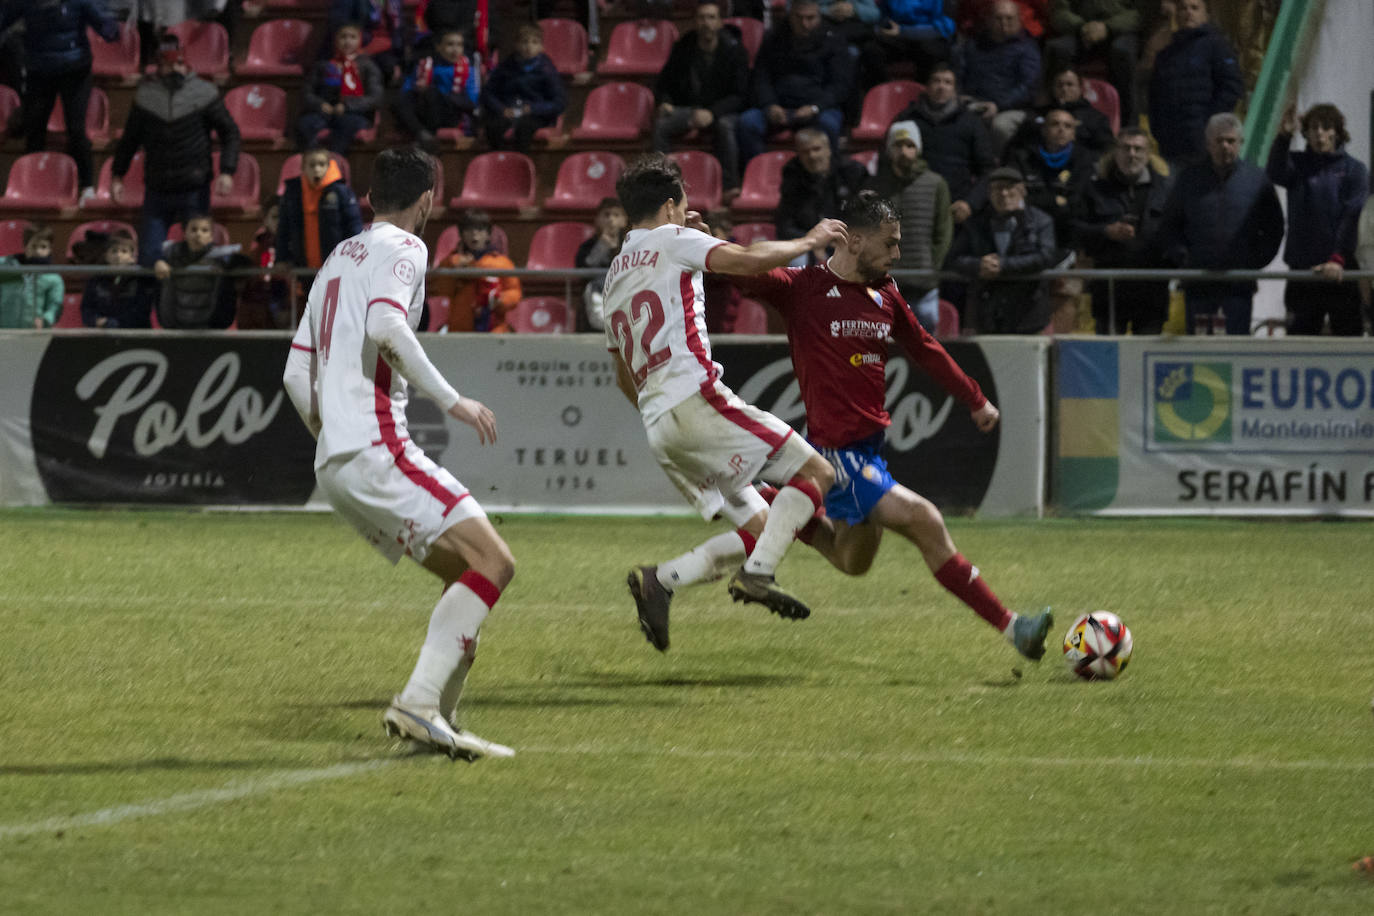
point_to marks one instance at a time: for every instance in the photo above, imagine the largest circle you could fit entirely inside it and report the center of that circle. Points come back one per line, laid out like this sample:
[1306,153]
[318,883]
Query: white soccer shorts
[713,445]
[400,503]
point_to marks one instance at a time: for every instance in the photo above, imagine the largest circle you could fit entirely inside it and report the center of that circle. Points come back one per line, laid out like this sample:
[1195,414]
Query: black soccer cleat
[763,589]
[651,602]
[1029,634]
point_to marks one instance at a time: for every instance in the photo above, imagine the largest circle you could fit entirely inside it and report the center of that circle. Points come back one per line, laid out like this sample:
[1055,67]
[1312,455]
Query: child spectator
[523,94]
[31,300]
[196,301]
[318,211]
[478,304]
[721,296]
[376,18]
[441,92]
[120,300]
[599,251]
[342,95]
[265,302]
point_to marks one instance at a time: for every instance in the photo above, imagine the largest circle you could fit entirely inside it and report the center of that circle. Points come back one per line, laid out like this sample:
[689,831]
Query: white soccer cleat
[426,726]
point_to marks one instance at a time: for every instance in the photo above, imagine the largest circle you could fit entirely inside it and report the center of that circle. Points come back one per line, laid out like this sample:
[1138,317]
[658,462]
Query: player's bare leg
[475,565]
[917,519]
[792,508]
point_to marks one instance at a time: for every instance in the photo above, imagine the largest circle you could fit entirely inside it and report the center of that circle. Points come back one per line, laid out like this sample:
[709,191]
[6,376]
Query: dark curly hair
[1326,115]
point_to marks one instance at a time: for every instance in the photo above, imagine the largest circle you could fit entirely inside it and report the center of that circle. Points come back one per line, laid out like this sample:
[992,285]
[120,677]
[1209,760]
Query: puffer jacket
[1015,302]
[1196,76]
[197,301]
[793,71]
[1325,194]
[1004,72]
[1219,222]
[173,126]
[24,297]
[55,31]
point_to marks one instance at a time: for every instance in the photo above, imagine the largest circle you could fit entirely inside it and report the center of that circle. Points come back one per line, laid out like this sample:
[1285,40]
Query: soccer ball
[1098,646]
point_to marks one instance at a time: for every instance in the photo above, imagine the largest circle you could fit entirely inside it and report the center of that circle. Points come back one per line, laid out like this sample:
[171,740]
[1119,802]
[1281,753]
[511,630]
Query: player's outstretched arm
[299,378]
[764,255]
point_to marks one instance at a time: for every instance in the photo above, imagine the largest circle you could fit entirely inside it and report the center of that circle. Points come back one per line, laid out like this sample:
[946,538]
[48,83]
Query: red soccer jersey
[839,332]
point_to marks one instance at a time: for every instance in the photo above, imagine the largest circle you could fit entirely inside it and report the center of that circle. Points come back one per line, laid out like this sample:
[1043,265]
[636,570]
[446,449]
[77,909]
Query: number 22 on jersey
[647,318]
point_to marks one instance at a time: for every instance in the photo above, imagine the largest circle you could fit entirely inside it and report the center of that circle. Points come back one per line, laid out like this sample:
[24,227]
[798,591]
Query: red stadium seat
[438,311]
[71,312]
[554,245]
[749,233]
[219,235]
[9,104]
[701,177]
[638,48]
[276,48]
[752,317]
[616,111]
[1103,96]
[751,33]
[565,41]
[97,117]
[584,179]
[868,159]
[445,245]
[205,46]
[539,315]
[762,181]
[12,236]
[41,181]
[881,105]
[498,181]
[133,186]
[100,225]
[259,109]
[291,168]
[948,327]
[117,59]
[247,185]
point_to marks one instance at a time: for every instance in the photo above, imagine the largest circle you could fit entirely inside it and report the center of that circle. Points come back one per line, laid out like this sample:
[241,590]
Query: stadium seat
[117,59]
[247,186]
[565,41]
[616,111]
[762,181]
[12,236]
[584,179]
[219,235]
[554,132]
[638,48]
[9,104]
[71,312]
[276,48]
[752,317]
[554,245]
[751,34]
[259,109]
[881,105]
[539,315]
[41,181]
[100,225]
[701,177]
[205,46]
[133,186]
[380,44]
[291,168]
[438,311]
[97,117]
[498,181]
[948,327]
[868,159]
[1103,96]
[749,233]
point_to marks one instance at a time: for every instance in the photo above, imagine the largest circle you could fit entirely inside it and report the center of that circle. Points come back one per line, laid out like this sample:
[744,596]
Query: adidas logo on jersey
[834,293]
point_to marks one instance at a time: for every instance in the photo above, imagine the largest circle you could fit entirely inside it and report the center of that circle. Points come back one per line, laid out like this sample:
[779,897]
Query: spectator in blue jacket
[441,92]
[916,30]
[318,211]
[523,93]
[119,300]
[57,55]
[1000,71]
[342,95]
[1327,188]
[1195,76]
[802,78]
[1222,214]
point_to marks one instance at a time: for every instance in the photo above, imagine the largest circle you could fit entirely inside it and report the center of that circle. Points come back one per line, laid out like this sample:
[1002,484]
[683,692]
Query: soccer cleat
[426,726]
[651,600]
[1029,633]
[764,589]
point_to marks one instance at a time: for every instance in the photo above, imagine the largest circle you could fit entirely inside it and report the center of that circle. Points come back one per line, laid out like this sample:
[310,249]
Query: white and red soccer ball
[1098,646]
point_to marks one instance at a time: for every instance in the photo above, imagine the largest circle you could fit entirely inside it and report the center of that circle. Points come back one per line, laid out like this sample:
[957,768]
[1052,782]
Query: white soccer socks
[792,508]
[706,562]
[451,643]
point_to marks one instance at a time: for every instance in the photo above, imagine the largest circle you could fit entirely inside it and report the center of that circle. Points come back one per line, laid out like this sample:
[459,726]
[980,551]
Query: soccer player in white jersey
[711,444]
[346,373]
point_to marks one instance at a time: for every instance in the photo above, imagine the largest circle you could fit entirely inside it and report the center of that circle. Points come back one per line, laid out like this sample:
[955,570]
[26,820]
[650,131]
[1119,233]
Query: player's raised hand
[695,221]
[826,233]
[478,416]
[985,417]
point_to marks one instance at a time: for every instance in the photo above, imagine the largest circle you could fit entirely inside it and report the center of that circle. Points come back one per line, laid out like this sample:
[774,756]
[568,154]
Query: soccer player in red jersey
[840,316]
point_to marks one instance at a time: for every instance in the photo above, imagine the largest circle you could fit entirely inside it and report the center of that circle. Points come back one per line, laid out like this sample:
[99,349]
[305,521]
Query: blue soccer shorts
[861,479]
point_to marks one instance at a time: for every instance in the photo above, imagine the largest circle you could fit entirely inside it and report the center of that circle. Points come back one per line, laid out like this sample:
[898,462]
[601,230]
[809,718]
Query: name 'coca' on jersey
[839,332]
[656,317]
[361,401]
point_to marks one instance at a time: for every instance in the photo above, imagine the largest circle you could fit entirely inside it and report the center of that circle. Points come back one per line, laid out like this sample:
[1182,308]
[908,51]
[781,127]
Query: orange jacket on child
[480,304]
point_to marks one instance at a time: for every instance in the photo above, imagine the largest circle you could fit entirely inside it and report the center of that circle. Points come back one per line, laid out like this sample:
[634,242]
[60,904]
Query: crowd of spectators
[1009,161]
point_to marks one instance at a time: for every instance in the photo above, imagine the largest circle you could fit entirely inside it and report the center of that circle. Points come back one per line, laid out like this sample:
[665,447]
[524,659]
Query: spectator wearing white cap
[922,197]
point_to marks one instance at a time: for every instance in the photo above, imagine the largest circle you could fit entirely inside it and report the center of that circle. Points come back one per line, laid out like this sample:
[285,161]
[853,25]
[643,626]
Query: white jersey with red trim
[656,317]
[362,402]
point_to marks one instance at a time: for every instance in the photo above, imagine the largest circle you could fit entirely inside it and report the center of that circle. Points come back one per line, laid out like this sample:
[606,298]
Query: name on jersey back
[630,259]
[354,249]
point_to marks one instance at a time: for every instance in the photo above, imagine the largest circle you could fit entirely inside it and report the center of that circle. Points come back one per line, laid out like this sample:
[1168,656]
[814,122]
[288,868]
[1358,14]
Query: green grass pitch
[191,724]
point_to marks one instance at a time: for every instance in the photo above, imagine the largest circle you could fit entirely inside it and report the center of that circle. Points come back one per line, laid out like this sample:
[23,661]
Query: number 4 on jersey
[331,305]
[635,348]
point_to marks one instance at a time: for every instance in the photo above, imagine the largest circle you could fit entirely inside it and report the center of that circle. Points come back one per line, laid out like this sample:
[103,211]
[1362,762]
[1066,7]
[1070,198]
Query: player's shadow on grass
[619,680]
[171,764]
